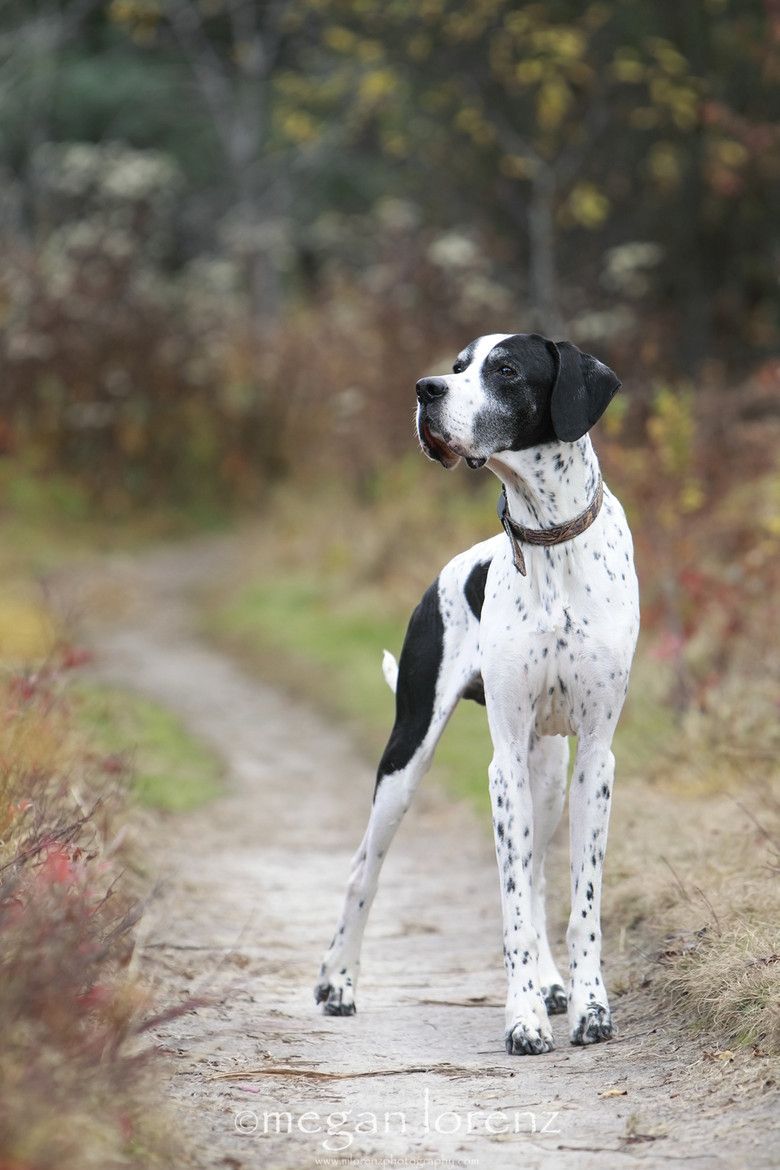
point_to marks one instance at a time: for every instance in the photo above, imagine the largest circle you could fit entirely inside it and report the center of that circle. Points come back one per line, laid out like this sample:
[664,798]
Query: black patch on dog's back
[418,673]
[474,589]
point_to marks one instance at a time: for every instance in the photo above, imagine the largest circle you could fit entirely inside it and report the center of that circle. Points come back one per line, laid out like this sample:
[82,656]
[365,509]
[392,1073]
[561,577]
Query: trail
[250,889]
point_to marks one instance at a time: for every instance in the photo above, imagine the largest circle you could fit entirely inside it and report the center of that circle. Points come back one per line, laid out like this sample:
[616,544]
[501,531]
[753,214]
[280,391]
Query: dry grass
[731,986]
[79,1088]
[695,861]
[692,882]
[75,1088]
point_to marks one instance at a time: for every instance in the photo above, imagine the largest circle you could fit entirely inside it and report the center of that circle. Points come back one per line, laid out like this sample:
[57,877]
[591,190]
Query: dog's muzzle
[429,392]
[432,442]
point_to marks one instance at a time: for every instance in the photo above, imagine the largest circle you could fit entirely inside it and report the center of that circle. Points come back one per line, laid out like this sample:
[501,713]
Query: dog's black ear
[583,389]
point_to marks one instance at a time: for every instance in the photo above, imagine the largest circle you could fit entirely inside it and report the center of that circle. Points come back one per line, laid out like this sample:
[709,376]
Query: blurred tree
[557,132]
[34,34]
[231,48]
[565,117]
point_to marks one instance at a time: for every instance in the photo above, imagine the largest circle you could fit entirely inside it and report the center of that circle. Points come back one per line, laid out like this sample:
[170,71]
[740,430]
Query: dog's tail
[390,670]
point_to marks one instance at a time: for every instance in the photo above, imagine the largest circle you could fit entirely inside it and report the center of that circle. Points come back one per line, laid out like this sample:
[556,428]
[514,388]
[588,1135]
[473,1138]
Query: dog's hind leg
[437,666]
[548,760]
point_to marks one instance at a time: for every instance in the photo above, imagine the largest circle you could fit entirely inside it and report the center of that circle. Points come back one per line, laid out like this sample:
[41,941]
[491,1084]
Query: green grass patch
[647,727]
[48,520]
[332,653]
[172,770]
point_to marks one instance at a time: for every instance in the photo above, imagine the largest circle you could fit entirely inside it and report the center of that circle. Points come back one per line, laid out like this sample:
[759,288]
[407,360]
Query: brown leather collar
[547,536]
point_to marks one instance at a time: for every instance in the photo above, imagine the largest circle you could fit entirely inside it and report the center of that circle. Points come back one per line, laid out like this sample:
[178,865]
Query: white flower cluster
[107,173]
[603,325]
[109,198]
[454,250]
[627,268]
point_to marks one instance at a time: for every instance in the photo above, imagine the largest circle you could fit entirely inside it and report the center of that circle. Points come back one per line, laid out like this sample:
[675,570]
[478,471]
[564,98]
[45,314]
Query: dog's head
[508,392]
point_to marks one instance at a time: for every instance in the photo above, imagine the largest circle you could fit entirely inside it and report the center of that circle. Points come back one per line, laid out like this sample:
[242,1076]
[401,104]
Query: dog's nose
[429,389]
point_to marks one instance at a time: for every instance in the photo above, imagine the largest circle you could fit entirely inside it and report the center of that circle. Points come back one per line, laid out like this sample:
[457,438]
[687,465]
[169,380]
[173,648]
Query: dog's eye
[507,372]
[458,368]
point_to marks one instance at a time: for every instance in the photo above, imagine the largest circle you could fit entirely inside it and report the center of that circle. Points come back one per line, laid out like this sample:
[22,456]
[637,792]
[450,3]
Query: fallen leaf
[615,1092]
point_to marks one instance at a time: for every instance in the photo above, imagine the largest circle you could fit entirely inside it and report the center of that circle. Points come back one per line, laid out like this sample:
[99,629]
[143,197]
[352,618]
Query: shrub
[73,1079]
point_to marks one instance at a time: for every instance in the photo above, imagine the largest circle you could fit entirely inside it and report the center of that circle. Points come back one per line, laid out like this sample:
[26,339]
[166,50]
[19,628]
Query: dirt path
[251,889]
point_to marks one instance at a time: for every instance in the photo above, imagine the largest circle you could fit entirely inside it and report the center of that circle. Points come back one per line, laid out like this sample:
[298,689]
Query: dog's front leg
[527,1025]
[589,802]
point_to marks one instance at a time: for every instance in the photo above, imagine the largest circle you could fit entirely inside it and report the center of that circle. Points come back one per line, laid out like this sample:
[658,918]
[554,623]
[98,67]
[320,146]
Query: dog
[540,624]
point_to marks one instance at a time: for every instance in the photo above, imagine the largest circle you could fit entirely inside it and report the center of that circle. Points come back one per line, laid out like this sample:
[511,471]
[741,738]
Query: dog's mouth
[434,445]
[437,447]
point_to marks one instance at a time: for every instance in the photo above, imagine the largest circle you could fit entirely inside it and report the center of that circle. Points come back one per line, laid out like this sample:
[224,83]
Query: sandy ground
[250,889]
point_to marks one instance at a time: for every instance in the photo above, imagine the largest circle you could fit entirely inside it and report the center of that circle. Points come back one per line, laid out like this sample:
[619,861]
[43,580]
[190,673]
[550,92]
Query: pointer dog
[540,624]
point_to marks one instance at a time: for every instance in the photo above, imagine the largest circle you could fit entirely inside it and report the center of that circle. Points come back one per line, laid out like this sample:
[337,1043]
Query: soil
[250,887]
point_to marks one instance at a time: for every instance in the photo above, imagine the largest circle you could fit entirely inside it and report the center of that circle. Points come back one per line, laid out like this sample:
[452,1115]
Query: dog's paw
[555,999]
[593,1025]
[336,1000]
[525,1038]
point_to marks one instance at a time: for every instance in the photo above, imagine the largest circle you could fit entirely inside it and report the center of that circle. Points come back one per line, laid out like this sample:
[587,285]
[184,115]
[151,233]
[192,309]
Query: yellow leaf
[472,122]
[569,43]
[627,67]
[377,84]
[615,1092]
[552,103]
[588,206]
[731,153]
[670,60]
[529,72]
[342,40]
[298,126]
[663,162]
[691,496]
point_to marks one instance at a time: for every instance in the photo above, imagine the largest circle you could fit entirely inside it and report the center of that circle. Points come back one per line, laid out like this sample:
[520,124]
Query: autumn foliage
[73,1089]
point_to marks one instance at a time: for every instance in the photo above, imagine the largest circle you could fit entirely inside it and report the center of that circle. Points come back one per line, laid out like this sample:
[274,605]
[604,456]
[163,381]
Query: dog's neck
[549,484]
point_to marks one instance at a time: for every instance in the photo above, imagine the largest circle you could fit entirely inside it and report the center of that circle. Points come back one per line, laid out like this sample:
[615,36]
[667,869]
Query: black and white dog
[540,624]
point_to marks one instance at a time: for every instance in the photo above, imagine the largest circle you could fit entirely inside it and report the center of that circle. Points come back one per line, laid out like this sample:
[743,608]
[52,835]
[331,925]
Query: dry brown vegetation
[693,867]
[75,1088]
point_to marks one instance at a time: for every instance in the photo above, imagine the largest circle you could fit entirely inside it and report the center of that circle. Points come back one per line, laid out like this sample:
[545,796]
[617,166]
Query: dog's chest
[558,642]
